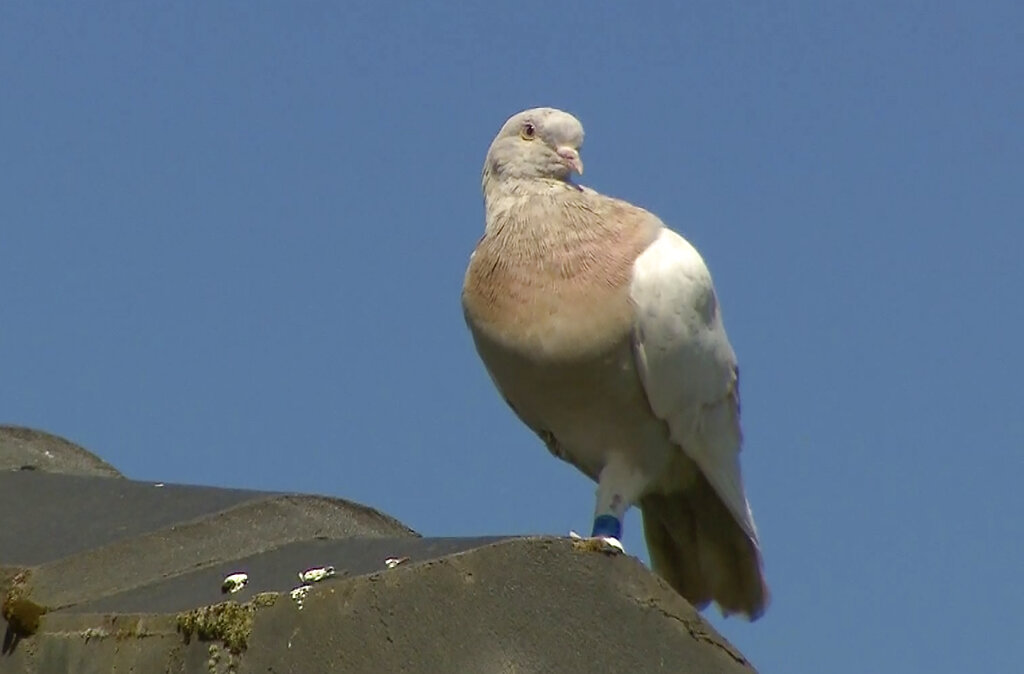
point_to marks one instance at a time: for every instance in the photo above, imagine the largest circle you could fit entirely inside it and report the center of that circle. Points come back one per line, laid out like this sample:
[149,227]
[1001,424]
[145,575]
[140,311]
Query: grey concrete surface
[104,574]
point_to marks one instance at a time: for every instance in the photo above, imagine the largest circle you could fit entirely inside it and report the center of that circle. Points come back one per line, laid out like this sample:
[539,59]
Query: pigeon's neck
[499,187]
[561,230]
[527,204]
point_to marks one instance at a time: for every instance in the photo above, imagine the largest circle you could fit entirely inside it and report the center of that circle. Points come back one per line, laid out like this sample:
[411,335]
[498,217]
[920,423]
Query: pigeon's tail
[697,546]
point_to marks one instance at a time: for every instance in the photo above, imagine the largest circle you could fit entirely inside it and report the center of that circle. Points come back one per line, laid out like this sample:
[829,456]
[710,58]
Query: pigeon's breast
[554,288]
[552,322]
[548,302]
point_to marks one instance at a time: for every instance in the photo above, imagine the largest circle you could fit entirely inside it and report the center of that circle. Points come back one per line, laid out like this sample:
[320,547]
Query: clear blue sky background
[232,239]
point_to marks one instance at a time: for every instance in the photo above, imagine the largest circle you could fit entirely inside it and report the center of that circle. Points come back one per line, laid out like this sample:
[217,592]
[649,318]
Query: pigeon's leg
[618,486]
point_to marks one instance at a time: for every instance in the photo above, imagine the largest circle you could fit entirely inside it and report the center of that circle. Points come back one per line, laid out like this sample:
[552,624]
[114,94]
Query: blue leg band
[607,526]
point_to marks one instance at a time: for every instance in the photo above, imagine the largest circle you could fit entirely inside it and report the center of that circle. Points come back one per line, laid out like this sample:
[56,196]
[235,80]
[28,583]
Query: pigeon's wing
[687,365]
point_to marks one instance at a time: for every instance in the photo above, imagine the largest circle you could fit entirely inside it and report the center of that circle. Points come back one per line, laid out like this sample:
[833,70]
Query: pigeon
[601,329]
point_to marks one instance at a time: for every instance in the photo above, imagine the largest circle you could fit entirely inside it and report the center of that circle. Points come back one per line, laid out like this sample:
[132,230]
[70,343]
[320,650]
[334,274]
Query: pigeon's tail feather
[697,546]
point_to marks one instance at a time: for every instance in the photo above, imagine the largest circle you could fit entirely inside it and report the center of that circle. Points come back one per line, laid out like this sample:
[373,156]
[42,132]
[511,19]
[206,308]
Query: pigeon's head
[537,143]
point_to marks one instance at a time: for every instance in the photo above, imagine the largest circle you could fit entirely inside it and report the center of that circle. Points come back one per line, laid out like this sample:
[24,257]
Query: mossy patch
[22,615]
[264,599]
[228,622]
[18,588]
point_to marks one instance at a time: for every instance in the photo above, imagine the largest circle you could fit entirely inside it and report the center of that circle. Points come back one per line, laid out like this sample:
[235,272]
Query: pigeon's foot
[606,544]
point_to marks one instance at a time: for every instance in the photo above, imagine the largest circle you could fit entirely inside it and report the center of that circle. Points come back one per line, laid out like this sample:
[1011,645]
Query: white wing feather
[687,365]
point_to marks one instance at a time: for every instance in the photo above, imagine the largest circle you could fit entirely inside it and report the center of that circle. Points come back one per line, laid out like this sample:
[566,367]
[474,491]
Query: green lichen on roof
[228,622]
[23,615]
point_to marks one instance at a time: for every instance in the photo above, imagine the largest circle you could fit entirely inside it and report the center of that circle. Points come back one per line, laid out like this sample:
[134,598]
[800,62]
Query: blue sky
[232,240]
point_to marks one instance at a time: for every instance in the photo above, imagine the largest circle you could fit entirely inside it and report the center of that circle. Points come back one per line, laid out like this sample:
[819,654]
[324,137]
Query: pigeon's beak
[571,158]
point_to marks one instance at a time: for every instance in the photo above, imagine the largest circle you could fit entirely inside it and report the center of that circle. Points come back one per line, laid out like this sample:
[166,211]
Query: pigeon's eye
[528,132]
